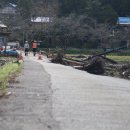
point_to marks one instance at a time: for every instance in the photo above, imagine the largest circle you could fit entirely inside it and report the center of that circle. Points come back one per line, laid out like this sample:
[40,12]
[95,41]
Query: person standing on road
[34,47]
[26,48]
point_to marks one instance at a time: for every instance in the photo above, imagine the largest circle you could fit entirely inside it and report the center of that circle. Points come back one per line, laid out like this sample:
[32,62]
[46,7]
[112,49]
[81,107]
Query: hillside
[92,8]
[82,24]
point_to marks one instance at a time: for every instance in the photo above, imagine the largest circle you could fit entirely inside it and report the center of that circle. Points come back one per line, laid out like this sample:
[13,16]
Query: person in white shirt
[26,48]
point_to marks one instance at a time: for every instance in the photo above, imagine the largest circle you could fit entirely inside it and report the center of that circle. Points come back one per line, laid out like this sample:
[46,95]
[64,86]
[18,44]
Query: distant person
[26,48]
[34,47]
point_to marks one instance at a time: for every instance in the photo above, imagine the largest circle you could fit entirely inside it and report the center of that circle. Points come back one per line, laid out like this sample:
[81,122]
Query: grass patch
[120,58]
[5,72]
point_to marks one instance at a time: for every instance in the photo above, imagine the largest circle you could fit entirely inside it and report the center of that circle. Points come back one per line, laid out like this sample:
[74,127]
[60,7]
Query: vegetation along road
[56,97]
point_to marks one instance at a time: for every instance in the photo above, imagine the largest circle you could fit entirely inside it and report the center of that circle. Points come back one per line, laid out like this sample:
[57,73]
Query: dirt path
[30,107]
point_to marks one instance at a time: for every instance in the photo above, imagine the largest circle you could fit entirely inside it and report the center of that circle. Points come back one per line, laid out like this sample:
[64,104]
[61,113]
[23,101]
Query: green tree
[101,12]
[93,8]
[71,6]
[108,14]
[25,7]
[122,7]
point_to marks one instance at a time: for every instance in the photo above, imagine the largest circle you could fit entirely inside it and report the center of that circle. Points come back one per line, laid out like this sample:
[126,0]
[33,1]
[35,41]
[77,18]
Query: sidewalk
[30,107]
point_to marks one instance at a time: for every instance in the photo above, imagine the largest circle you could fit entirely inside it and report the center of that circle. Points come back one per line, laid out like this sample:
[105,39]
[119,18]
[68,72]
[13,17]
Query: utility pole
[23,38]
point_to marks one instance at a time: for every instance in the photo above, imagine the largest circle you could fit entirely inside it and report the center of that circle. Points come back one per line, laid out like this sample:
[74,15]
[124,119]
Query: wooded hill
[103,10]
[77,23]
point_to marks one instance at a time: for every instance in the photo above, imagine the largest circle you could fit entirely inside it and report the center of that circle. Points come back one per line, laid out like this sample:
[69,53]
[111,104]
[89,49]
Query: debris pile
[98,65]
[125,70]
[95,66]
[59,58]
[104,66]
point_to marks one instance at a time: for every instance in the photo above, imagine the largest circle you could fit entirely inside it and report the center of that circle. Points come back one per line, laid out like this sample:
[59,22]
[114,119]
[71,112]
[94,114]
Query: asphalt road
[82,101]
[30,105]
[55,97]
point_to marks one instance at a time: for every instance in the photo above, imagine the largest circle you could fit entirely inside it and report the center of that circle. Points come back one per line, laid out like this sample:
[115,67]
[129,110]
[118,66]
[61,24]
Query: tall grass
[7,70]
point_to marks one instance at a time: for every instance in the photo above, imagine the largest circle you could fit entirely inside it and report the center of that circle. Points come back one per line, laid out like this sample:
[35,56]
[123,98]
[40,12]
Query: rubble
[59,58]
[98,65]
[95,66]
[104,66]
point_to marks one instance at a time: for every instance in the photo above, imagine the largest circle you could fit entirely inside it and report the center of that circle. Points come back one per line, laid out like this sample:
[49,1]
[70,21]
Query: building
[40,19]
[8,12]
[8,9]
[124,26]
[40,22]
[124,21]
[4,33]
[13,44]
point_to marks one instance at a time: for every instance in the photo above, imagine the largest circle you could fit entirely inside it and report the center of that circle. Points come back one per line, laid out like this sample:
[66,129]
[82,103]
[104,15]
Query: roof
[13,5]
[2,25]
[13,43]
[40,19]
[124,20]
[8,9]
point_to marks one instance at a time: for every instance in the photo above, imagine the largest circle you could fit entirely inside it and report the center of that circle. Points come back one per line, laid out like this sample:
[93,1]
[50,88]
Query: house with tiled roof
[8,9]
[4,33]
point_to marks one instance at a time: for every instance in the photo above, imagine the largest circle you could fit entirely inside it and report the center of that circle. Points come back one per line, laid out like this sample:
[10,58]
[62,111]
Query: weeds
[5,72]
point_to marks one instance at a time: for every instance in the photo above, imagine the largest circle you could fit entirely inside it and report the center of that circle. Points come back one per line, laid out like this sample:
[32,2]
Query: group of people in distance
[27,47]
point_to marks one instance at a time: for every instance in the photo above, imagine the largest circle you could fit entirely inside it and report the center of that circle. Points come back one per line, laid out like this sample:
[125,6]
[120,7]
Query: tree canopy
[102,10]
[80,23]
[121,7]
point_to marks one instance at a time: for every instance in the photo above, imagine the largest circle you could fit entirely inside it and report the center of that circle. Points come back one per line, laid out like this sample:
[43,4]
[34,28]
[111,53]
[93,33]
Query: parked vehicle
[11,52]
